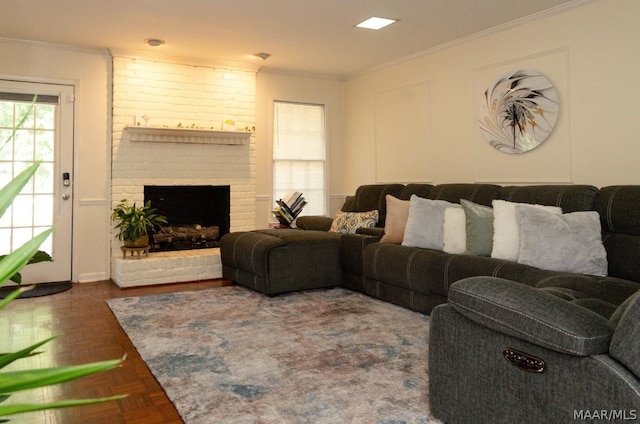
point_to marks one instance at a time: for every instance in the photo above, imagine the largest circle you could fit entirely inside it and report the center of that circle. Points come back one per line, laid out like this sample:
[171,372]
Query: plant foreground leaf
[14,261]
[29,379]
[11,190]
[20,408]
[13,295]
[39,256]
[7,358]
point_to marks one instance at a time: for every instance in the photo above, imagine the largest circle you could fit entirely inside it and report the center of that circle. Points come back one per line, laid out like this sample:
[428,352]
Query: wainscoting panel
[402,127]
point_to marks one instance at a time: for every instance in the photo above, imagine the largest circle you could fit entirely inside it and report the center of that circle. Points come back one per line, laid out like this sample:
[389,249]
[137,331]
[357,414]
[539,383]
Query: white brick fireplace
[157,94]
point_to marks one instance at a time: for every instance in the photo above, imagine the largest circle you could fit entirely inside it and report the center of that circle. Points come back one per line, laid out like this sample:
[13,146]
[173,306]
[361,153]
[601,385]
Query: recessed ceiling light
[154,42]
[376,23]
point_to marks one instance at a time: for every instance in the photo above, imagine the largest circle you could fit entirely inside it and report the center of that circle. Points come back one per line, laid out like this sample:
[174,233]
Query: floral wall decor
[518,111]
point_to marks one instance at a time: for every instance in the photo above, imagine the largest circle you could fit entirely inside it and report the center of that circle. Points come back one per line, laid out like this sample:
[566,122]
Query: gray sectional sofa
[493,321]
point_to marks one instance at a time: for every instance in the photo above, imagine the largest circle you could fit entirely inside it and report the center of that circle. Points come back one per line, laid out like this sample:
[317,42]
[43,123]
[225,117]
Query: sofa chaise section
[281,260]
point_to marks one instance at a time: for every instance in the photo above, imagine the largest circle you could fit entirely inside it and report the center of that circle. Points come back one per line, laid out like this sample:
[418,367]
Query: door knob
[66,196]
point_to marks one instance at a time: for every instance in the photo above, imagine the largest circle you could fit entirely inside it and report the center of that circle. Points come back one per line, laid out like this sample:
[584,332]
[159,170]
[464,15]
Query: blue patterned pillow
[349,222]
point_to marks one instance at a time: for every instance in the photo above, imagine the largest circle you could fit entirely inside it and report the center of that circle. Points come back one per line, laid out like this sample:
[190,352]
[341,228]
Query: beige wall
[88,71]
[272,86]
[590,54]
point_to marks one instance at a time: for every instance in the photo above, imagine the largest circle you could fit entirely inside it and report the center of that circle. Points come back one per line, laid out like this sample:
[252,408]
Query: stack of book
[288,208]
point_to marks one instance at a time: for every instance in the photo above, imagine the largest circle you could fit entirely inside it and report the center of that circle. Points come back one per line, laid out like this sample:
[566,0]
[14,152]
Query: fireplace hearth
[198,215]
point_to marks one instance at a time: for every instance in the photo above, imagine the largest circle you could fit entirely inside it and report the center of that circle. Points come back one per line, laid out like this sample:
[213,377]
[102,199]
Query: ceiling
[302,36]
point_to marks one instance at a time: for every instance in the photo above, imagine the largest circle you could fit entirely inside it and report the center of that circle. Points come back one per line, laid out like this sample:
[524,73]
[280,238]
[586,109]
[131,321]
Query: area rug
[231,355]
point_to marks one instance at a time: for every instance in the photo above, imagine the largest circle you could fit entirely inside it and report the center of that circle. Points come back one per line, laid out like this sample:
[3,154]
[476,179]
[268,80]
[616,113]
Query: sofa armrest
[375,231]
[318,223]
[351,251]
[532,315]
[624,345]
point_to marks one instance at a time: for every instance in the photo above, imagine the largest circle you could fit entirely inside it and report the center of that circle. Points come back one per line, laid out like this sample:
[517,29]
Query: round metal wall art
[518,111]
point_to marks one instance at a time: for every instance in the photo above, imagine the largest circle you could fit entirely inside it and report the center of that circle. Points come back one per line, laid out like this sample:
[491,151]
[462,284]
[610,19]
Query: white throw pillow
[506,234]
[425,224]
[455,232]
[571,242]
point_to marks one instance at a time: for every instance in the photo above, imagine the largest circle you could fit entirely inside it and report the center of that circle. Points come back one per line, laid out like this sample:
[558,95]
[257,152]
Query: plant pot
[142,241]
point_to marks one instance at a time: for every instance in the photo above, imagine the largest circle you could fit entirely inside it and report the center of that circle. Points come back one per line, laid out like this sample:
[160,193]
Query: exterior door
[36,124]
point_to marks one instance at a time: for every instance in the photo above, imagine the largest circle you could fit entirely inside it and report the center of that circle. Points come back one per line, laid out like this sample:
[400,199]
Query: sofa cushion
[371,197]
[571,198]
[479,228]
[420,190]
[397,214]
[349,222]
[570,242]
[478,193]
[532,315]
[425,224]
[506,233]
[624,345]
[620,220]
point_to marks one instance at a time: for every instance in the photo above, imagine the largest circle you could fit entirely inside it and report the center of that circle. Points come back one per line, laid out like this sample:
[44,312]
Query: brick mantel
[186,135]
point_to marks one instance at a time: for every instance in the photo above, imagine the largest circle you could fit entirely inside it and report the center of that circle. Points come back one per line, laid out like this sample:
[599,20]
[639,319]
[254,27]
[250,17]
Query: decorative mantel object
[518,111]
[186,135]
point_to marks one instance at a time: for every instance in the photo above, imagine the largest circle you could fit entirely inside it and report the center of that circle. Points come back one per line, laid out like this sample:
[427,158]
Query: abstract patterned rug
[231,355]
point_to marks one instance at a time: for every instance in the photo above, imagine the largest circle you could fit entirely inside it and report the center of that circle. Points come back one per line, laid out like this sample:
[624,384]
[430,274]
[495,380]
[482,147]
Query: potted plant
[134,223]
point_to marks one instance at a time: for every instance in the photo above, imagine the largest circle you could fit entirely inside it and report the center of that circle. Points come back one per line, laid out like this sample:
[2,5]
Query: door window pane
[27,135]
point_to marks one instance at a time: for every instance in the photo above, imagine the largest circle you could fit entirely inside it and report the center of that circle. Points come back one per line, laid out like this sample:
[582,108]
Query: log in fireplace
[198,215]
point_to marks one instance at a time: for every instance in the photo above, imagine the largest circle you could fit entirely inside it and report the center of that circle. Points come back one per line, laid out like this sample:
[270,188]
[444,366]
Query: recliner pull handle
[524,361]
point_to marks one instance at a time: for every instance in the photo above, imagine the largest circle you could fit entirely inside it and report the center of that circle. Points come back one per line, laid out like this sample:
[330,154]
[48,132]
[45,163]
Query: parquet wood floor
[88,332]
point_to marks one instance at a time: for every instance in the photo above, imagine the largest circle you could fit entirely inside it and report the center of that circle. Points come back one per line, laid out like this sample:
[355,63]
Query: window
[27,134]
[299,153]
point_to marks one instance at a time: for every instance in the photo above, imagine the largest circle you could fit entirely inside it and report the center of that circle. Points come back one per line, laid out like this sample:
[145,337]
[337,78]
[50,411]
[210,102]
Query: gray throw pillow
[425,223]
[570,242]
[479,225]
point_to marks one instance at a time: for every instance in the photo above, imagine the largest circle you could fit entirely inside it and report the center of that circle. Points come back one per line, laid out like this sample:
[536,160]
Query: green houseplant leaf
[21,408]
[134,221]
[14,262]
[11,190]
[9,266]
[29,379]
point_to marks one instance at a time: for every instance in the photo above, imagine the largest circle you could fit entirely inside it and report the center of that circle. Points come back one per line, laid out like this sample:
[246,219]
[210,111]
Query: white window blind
[299,153]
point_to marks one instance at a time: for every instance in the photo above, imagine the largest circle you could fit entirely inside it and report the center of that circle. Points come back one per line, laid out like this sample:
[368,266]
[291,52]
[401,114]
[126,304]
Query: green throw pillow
[479,225]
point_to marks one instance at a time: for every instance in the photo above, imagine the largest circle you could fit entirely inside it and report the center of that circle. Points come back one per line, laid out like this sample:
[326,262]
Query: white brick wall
[172,94]
[168,267]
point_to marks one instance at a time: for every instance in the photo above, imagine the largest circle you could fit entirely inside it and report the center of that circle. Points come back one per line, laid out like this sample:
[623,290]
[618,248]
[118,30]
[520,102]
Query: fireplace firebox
[198,215]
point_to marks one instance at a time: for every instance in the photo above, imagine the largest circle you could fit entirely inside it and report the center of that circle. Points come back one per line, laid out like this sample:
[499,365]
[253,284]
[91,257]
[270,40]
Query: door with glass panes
[36,124]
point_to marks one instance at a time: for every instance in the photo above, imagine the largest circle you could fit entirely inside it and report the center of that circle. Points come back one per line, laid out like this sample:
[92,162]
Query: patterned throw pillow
[349,222]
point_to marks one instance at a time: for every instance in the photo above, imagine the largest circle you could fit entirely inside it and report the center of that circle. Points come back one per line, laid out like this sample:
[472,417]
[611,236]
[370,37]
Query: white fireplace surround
[137,164]
[166,153]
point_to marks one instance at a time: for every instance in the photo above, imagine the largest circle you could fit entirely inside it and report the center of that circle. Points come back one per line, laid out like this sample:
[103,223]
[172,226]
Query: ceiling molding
[462,40]
[158,57]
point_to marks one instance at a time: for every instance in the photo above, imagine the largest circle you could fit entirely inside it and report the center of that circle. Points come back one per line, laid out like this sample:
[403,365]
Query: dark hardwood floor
[88,332]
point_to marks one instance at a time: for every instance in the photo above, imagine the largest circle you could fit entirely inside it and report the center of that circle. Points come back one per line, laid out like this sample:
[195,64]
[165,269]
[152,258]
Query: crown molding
[179,60]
